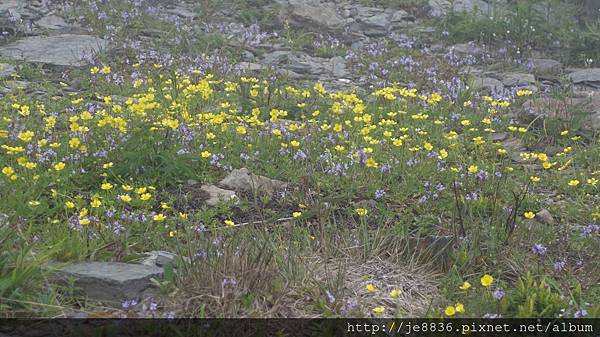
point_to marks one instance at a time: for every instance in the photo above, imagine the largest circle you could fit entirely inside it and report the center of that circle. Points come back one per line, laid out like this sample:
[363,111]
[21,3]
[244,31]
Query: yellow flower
[106,186]
[378,310]
[459,307]
[125,198]
[450,311]
[573,183]
[443,154]
[69,204]
[74,142]
[229,223]
[295,143]
[529,215]
[240,130]
[371,163]
[205,154]
[473,169]
[96,203]
[84,221]
[395,293]
[361,211]
[487,280]
[535,179]
[465,286]
[8,171]
[297,214]
[592,181]
[94,70]
[105,70]
[173,234]
[145,196]
[59,166]
[159,217]
[371,288]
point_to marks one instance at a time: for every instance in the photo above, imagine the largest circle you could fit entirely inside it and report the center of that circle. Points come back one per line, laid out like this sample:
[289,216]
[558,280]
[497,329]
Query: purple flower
[498,294]
[330,297]
[580,313]
[379,194]
[539,249]
[559,265]
[589,230]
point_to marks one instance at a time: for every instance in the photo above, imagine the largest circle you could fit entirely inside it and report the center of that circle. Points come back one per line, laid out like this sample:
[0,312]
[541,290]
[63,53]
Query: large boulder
[61,50]
[111,282]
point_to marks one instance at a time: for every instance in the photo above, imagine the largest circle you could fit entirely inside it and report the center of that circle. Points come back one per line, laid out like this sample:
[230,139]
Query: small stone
[517,79]
[498,136]
[112,282]
[158,258]
[6,70]
[467,49]
[242,180]
[545,217]
[217,195]
[181,12]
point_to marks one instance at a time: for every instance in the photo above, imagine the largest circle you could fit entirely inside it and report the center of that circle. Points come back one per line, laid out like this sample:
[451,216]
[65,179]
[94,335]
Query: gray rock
[337,66]
[62,50]
[6,70]
[109,281]
[443,7]
[158,258]
[52,22]
[9,86]
[249,66]
[491,84]
[595,121]
[498,136]
[301,65]
[372,21]
[545,217]
[544,66]
[479,7]
[589,77]
[181,11]
[517,79]
[217,195]
[242,180]
[439,7]
[467,49]
[312,14]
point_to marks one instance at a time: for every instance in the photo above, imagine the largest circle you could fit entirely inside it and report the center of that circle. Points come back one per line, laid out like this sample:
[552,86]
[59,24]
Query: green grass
[377,179]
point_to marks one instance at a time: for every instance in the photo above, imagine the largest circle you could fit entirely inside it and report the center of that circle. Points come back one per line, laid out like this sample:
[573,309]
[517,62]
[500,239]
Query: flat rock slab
[109,281]
[217,195]
[62,50]
[52,22]
[585,76]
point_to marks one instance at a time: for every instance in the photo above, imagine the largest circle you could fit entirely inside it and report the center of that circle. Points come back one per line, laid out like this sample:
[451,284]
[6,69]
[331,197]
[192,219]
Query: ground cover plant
[290,165]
